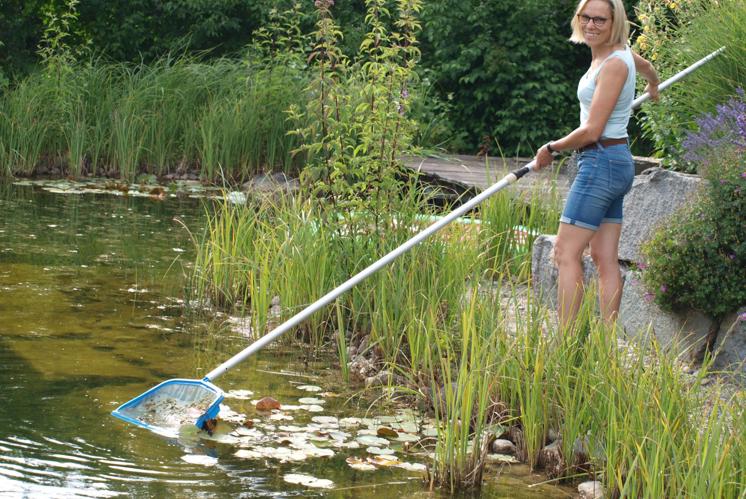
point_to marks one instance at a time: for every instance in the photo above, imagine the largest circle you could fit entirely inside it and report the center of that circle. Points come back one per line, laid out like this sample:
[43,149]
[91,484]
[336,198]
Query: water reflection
[91,315]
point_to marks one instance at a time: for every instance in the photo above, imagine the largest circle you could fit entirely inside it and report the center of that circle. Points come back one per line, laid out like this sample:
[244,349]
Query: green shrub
[698,261]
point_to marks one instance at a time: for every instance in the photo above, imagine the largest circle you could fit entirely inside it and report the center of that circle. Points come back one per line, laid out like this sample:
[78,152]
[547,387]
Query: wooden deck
[469,174]
[462,174]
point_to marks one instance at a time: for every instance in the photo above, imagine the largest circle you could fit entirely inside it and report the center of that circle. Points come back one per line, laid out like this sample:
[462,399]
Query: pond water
[91,315]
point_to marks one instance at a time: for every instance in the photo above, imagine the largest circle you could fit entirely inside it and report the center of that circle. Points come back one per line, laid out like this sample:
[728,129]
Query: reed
[226,118]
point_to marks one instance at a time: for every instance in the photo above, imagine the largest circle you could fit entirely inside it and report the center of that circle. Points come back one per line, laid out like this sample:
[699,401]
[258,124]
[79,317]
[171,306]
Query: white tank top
[616,127]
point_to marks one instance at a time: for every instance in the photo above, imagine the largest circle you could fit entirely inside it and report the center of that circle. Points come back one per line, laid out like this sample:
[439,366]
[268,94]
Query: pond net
[173,404]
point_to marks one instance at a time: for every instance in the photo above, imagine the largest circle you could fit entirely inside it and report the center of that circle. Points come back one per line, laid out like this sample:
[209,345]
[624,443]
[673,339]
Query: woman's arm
[647,70]
[609,86]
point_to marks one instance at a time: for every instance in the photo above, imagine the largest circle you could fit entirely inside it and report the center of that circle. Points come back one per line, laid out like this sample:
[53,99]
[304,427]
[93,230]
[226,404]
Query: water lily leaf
[345,445]
[248,454]
[379,451]
[311,401]
[242,431]
[384,460]
[368,431]
[350,422]
[281,417]
[200,459]
[291,407]
[339,436]
[313,451]
[371,440]
[384,431]
[358,464]
[282,454]
[239,394]
[386,419]
[407,437]
[430,431]
[412,466]
[326,421]
[312,408]
[291,428]
[308,481]
[309,388]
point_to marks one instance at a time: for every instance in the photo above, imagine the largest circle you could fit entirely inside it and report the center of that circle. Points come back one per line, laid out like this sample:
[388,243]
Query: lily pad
[312,408]
[412,466]
[309,388]
[384,460]
[311,401]
[358,464]
[407,437]
[384,431]
[350,422]
[371,440]
[239,394]
[379,451]
[308,481]
[248,454]
[281,417]
[326,421]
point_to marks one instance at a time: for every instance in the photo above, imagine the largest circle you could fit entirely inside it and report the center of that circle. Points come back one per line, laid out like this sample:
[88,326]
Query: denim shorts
[596,196]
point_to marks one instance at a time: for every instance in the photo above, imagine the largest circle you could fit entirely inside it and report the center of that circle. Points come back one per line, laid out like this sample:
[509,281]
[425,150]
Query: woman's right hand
[543,158]
[652,89]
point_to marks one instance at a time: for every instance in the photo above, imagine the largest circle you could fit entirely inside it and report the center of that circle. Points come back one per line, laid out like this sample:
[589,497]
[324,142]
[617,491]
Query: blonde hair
[619,24]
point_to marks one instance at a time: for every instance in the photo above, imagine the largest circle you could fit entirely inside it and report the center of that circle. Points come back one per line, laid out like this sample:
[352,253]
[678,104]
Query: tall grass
[223,119]
[458,319]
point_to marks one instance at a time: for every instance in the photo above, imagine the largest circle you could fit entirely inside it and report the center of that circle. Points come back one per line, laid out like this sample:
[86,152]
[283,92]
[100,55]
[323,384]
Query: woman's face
[596,21]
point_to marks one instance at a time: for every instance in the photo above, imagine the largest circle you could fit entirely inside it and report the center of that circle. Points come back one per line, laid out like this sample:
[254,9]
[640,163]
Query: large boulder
[638,314]
[685,333]
[655,195]
[730,346]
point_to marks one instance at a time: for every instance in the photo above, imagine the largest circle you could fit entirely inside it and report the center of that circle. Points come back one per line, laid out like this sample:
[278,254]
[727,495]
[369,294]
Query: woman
[593,210]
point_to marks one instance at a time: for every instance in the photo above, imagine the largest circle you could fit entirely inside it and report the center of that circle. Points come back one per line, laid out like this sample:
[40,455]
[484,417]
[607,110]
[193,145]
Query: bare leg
[605,254]
[568,253]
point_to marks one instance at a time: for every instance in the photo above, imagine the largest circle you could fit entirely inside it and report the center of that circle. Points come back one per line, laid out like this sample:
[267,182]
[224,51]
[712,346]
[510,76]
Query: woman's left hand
[543,157]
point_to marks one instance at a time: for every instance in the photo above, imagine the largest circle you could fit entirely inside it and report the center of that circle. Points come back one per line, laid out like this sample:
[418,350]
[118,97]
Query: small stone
[267,404]
[591,490]
[275,301]
[502,446]
[380,379]
[550,458]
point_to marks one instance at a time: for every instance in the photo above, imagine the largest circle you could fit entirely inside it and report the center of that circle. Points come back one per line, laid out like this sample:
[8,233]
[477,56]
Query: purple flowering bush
[723,130]
[698,260]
